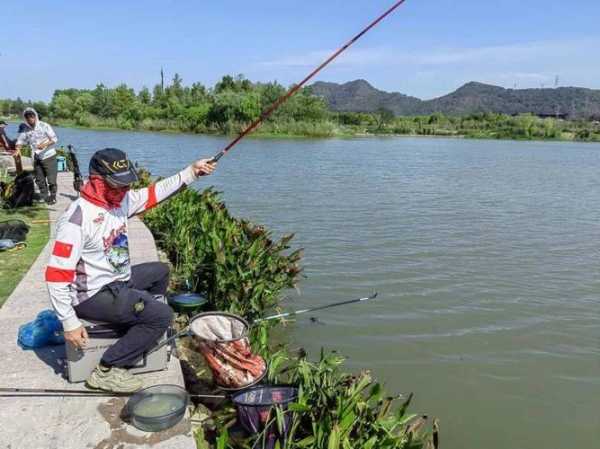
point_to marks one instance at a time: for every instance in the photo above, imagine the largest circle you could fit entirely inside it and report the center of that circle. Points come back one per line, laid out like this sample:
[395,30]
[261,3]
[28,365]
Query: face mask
[97,191]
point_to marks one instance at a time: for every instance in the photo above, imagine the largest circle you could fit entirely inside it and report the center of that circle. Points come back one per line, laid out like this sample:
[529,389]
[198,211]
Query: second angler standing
[42,139]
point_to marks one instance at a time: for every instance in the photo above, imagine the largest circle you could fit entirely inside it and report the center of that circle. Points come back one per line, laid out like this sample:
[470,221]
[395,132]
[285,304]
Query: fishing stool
[101,335]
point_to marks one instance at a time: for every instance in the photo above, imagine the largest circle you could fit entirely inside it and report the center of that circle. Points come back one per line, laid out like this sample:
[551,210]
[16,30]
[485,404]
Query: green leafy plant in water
[234,263]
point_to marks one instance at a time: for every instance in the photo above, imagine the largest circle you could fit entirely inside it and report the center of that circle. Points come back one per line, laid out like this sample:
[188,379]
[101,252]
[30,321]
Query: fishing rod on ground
[187,332]
[34,392]
[160,407]
[298,86]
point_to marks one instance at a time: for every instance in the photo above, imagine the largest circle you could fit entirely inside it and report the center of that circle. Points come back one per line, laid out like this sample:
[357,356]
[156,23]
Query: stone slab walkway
[59,422]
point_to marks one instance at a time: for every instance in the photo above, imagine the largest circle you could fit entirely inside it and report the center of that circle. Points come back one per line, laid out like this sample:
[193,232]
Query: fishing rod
[186,332]
[314,309]
[298,86]
[27,392]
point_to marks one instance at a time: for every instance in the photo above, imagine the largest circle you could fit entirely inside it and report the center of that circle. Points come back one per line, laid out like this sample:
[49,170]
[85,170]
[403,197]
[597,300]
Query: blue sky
[426,49]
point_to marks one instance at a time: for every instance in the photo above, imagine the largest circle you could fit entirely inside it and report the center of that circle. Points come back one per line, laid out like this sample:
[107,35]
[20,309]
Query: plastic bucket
[187,302]
[157,408]
[61,163]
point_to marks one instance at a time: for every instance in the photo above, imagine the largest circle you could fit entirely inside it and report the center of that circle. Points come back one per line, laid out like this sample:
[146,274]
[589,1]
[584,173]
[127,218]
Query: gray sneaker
[115,380]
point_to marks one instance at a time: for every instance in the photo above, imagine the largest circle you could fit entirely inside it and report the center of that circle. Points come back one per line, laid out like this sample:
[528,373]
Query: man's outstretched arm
[144,199]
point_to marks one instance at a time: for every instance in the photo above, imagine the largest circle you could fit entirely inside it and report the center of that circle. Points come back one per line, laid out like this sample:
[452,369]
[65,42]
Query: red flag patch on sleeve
[54,274]
[151,197]
[62,249]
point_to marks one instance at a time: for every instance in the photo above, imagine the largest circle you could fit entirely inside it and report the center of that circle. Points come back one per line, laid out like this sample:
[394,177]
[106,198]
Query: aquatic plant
[236,264]
[334,410]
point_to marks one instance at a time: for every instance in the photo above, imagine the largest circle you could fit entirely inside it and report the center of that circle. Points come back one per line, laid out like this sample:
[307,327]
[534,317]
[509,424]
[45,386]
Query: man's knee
[163,270]
[158,271]
[157,314]
[162,278]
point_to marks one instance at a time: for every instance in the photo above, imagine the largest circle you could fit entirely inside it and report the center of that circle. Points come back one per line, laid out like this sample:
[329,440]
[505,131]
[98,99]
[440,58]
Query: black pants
[45,170]
[132,305]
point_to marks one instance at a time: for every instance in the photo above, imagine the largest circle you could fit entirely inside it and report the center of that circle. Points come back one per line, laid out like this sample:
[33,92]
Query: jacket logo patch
[116,249]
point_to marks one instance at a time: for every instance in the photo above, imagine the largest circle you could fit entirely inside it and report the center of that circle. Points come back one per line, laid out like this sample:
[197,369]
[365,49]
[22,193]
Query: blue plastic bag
[45,330]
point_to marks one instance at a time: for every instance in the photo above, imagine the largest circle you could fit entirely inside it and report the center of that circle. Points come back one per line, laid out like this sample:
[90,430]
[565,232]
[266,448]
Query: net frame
[257,418]
[223,314]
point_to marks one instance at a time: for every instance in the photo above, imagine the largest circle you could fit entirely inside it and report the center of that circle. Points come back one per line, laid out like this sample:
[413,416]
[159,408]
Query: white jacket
[92,249]
[41,132]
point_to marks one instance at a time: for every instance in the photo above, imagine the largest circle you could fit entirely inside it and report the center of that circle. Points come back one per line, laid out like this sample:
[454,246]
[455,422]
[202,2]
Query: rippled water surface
[485,255]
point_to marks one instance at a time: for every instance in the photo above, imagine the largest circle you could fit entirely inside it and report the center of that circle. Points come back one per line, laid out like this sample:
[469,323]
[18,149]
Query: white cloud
[510,53]
[498,54]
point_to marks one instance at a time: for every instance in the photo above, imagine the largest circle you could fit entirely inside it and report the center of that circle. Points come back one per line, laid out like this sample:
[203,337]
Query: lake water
[485,255]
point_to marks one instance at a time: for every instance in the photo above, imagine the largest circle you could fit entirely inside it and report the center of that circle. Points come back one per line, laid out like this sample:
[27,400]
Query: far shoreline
[272,136]
[341,136]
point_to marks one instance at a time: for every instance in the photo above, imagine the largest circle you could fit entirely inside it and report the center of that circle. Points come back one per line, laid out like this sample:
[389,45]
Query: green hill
[360,96]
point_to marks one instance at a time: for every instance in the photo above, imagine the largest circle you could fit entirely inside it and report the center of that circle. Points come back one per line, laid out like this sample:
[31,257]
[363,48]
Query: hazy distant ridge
[473,97]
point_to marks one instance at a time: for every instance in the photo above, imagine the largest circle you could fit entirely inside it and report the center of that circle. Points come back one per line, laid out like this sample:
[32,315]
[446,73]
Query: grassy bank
[295,130]
[14,264]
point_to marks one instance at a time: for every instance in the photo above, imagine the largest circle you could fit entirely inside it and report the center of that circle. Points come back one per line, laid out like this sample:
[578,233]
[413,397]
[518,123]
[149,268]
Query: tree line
[234,102]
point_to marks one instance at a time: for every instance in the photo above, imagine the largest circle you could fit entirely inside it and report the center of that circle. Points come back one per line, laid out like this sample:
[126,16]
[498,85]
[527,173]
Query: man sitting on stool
[89,274]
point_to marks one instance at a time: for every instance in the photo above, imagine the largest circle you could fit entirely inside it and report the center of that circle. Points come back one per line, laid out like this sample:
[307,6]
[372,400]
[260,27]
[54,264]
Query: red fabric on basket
[233,364]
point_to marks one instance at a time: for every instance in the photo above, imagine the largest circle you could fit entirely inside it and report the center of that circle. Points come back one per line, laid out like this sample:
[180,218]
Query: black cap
[2,122]
[112,164]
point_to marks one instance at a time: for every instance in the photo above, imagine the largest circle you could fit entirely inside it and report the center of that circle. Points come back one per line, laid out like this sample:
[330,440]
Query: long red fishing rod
[298,86]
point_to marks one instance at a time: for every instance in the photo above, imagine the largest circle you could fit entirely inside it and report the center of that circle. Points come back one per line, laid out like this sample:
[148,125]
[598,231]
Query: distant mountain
[360,96]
